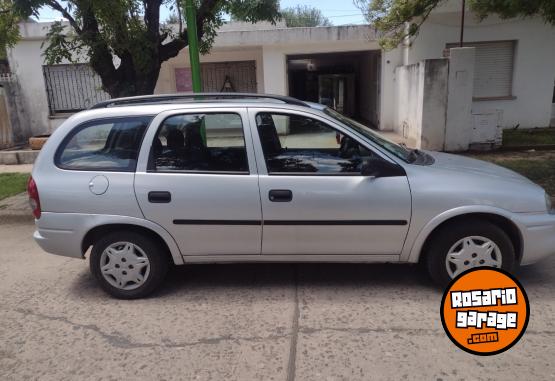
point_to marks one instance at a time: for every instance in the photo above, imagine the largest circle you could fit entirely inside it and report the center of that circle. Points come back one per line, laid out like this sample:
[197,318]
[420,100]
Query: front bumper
[538,236]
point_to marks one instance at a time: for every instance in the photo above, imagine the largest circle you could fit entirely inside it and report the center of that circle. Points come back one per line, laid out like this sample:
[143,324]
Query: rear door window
[206,143]
[105,144]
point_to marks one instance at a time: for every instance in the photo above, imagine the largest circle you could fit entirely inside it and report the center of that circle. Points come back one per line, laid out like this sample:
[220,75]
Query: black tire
[157,259]
[447,236]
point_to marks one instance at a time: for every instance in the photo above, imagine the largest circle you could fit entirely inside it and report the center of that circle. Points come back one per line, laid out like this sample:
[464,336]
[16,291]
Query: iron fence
[72,87]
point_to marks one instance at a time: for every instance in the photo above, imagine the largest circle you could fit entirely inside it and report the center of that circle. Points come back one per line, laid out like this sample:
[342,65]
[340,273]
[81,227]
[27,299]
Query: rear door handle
[159,197]
[280,195]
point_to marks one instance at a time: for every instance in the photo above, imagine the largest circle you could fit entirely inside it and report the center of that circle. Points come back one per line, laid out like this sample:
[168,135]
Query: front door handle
[280,195]
[159,197]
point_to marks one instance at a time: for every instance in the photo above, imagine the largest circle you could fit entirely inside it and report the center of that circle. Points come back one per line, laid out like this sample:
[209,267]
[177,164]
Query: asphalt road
[247,322]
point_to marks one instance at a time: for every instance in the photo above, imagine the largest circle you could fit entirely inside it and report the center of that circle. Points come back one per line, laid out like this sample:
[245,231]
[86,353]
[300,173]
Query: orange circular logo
[485,311]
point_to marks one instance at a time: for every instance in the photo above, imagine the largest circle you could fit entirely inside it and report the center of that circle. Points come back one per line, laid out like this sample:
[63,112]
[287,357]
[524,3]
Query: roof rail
[167,98]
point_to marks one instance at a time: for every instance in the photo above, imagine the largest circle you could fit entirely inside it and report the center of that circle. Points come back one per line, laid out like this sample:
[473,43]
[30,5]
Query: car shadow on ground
[242,276]
[305,274]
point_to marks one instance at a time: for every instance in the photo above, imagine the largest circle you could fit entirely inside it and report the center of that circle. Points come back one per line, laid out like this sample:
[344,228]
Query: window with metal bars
[72,87]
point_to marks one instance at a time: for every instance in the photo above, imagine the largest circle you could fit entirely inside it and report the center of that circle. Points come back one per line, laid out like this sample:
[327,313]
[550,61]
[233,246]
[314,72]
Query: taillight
[34,200]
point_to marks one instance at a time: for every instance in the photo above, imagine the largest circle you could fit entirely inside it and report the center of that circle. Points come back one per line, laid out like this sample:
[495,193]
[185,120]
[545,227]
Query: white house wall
[29,75]
[534,63]
[534,70]
[420,98]
[458,122]
[265,44]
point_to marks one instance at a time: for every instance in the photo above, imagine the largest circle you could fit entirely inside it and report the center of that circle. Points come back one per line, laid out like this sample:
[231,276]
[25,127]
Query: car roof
[198,98]
[155,104]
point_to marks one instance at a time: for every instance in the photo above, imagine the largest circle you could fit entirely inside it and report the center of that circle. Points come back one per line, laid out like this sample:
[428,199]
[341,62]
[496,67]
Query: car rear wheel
[128,265]
[468,244]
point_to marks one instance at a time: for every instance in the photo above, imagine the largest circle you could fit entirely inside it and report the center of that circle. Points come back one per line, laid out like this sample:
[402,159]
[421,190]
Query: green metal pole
[191,16]
[192,35]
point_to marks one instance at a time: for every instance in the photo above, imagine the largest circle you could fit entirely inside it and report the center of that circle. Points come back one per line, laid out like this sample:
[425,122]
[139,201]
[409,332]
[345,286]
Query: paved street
[247,322]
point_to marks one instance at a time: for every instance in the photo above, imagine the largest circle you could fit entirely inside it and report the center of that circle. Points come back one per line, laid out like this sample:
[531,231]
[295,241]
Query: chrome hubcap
[124,265]
[472,252]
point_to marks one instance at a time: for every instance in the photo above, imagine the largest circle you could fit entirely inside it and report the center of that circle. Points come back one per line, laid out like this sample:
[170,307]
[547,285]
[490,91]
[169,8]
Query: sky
[339,12]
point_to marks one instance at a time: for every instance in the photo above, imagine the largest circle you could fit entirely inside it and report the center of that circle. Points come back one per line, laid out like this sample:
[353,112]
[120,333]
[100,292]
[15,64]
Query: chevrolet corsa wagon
[147,182]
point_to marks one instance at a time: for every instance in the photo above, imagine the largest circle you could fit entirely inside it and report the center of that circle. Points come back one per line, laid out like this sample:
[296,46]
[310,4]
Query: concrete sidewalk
[21,168]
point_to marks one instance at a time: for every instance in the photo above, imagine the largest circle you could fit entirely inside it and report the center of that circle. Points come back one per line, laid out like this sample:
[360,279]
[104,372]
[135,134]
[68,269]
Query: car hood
[472,166]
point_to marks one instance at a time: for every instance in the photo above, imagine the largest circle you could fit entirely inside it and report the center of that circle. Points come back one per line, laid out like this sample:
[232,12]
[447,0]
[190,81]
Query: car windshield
[398,150]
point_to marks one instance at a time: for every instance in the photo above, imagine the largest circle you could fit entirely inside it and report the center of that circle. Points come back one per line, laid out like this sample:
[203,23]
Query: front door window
[303,145]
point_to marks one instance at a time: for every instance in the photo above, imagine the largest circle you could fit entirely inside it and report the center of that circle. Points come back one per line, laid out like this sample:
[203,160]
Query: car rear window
[104,144]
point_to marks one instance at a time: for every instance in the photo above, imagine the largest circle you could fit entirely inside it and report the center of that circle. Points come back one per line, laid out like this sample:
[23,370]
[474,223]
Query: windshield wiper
[413,155]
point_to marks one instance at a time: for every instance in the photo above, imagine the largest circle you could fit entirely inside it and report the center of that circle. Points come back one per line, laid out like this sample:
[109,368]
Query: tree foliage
[125,40]
[398,19]
[9,31]
[304,16]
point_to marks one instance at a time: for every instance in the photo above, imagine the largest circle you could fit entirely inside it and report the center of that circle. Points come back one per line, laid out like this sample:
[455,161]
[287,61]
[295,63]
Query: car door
[315,199]
[197,178]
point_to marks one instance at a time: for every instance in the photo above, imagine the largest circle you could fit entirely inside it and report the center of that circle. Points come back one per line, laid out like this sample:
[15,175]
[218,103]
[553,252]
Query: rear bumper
[56,236]
[538,236]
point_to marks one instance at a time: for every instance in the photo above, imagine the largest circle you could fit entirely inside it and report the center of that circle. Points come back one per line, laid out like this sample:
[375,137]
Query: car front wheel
[128,265]
[468,244]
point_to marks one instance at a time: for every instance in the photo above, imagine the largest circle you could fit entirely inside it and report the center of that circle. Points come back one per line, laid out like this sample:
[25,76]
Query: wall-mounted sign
[183,80]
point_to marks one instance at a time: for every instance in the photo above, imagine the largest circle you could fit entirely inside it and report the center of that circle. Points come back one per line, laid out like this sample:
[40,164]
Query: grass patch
[538,166]
[12,184]
[527,137]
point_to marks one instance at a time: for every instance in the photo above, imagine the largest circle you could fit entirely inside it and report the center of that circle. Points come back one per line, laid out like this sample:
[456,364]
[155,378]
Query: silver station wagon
[147,182]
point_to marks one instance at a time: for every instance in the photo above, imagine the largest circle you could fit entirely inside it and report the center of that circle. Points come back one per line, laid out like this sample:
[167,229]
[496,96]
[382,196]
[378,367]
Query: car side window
[299,144]
[103,145]
[211,142]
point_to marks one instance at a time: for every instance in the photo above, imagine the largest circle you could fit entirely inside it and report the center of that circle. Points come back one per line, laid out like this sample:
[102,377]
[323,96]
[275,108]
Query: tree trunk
[129,83]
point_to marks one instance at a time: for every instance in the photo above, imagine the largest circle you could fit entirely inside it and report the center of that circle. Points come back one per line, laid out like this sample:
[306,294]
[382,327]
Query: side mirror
[377,167]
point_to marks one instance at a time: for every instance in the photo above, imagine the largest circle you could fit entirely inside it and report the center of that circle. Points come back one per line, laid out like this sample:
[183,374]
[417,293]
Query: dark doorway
[349,82]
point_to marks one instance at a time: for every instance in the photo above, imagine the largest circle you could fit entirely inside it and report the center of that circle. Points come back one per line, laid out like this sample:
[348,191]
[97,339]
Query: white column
[390,60]
[275,71]
[459,126]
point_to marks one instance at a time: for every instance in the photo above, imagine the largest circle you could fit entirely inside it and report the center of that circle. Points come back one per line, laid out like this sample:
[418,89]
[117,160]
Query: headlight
[548,203]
